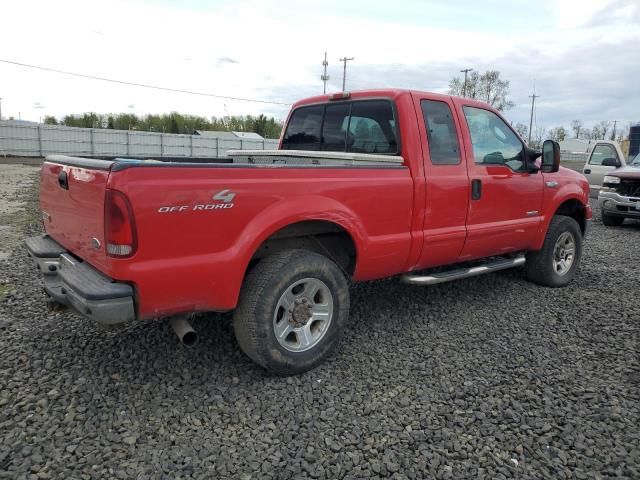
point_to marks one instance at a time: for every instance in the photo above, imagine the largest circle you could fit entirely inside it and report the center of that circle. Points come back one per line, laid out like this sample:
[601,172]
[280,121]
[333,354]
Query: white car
[604,157]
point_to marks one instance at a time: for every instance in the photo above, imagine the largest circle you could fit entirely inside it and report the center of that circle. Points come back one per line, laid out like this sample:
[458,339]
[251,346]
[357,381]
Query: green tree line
[172,122]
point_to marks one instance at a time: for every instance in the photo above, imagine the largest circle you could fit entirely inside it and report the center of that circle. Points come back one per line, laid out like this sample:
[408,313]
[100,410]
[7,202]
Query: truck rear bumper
[77,284]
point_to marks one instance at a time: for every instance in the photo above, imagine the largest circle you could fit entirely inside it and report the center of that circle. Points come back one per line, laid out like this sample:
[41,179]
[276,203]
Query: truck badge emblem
[225,196]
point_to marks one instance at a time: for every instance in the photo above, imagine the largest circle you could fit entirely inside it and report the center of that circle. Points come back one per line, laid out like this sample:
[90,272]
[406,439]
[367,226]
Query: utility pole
[344,71]
[0,108]
[324,77]
[464,85]
[533,102]
[613,135]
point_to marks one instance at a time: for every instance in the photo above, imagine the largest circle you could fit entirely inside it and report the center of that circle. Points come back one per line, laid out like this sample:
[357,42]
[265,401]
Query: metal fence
[573,157]
[41,140]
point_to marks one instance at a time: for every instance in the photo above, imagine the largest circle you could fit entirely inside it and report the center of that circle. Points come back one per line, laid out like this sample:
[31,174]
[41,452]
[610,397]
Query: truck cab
[604,157]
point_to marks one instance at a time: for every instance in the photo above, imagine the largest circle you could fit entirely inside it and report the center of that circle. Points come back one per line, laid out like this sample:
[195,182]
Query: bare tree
[596,133]
[487,87]
[558,134]
[538,134]
[604,127]
[522,130]
[576,126]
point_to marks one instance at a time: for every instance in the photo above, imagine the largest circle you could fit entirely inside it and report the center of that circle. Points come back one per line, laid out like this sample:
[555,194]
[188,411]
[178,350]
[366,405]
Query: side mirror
[610,162]
[550,157]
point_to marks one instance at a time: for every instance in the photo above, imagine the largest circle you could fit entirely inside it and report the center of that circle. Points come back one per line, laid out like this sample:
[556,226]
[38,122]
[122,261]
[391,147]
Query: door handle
[587,171]
[476,189]
[63,180]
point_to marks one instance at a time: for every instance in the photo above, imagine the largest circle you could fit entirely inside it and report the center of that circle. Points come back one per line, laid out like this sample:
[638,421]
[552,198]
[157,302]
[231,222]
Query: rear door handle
[476,189]
[587,171]
[63,180]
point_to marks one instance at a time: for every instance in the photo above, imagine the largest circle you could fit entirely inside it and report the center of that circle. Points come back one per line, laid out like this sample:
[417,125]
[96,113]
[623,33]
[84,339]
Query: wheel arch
[325,237]
[575,209]
[568,202]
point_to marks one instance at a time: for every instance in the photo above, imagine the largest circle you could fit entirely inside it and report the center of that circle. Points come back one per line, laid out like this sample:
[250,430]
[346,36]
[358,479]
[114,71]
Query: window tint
[366,126]
[372,128]
[334,130]
[441,133]
[494,143]
[602,151]
[303,130]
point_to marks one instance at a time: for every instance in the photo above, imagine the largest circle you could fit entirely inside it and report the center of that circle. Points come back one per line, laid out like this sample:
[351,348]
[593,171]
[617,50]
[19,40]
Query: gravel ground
[15,179]
[490,377]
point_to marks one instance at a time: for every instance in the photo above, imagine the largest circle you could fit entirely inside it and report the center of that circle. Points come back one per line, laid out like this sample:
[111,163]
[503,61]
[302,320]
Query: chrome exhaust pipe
[184,331]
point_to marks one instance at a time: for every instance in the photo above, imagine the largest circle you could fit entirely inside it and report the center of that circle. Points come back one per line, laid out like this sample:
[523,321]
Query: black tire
[540,265]
[263,287]
[611,220]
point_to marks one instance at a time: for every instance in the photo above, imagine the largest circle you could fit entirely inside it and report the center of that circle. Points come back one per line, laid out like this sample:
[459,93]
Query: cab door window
[494,143]
[602,151]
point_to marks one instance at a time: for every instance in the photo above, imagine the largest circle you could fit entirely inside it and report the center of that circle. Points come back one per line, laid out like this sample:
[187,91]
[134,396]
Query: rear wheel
[611,220]
[556,264]
[292,308]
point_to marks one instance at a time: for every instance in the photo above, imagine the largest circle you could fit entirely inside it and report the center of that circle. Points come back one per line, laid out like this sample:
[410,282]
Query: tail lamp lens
[119,225]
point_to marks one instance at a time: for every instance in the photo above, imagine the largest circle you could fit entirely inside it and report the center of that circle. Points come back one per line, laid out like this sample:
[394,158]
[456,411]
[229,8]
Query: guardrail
[40,140]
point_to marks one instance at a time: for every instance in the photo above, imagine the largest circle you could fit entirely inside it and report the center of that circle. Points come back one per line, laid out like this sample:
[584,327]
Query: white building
[574,145]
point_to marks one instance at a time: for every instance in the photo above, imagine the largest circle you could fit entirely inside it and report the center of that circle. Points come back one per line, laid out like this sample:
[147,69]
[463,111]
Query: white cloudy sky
[583,54]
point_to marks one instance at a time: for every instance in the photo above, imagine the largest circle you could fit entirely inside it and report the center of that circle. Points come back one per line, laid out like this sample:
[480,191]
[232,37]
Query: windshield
[636,161]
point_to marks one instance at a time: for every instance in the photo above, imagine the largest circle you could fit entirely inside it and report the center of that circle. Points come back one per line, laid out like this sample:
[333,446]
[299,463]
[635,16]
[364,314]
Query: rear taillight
[119,225]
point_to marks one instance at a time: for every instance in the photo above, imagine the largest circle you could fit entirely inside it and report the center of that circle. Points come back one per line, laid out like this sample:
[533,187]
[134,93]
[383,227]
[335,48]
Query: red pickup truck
[366,185]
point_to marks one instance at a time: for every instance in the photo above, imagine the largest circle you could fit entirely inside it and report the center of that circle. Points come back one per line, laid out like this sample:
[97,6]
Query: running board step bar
[458,273]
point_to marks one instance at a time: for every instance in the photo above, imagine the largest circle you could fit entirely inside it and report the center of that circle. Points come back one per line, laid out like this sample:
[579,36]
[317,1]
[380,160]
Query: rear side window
[372,128]
[442,136]
[366,126]
[334,130]
[303,130]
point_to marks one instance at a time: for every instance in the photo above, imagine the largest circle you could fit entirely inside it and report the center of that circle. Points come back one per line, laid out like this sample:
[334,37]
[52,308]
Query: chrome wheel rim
[564,253]
[303,315]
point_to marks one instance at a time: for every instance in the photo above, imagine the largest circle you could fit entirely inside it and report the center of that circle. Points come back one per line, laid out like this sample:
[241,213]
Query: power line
[144,85]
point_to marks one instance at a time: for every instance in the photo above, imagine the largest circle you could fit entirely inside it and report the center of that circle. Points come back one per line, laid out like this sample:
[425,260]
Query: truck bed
[197,224]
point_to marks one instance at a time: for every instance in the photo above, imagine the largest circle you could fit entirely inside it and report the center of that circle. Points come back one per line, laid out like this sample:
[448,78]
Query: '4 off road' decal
[224,200]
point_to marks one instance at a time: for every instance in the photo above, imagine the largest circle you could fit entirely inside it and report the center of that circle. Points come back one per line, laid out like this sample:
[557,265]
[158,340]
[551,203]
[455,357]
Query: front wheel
[557,263]
[292,308]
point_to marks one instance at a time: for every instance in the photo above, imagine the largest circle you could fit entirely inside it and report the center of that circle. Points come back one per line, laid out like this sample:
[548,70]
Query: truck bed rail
[305,157]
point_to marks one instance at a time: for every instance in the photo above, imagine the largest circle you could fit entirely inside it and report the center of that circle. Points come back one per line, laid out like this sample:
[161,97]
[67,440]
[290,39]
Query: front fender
[553,199]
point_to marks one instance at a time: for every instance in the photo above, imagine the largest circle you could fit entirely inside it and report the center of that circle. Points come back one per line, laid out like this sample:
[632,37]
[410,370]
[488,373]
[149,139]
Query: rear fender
[280,215]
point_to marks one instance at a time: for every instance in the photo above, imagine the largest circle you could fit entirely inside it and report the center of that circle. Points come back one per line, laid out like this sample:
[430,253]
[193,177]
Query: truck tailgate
[72,201]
